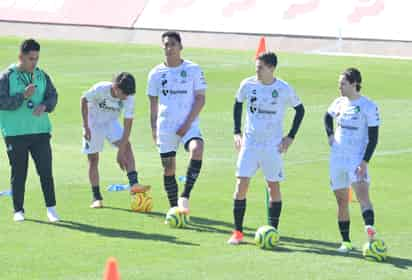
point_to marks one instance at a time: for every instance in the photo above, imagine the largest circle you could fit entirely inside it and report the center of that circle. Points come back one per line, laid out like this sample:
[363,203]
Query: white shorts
[343,172]
[270,161]
[111,131]
[169,142]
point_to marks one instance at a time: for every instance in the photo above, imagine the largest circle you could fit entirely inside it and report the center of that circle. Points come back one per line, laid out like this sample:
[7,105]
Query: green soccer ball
[375,250]
[175,219]
[266,237]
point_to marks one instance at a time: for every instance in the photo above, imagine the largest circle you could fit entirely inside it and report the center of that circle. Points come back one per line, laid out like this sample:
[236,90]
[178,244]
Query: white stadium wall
[360,19]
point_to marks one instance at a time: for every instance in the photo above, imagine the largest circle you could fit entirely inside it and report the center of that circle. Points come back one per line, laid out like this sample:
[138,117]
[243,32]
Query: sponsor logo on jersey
[102,105]
[270,112]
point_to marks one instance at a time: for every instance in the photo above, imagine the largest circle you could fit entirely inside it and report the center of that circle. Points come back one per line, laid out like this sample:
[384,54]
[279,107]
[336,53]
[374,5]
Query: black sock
[368,217]
[239,208]
[191,175]
[132,176]
[96,193]
[170,185]
[274,213]
[344,230]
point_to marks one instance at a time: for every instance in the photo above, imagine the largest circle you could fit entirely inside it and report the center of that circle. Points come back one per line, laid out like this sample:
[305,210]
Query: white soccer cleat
[183,204]
[52,214]
[97,204]
[18,216]
[371,232]
[345,247]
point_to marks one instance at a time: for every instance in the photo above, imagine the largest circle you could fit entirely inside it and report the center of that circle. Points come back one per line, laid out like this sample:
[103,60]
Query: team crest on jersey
[183,74]
[275,93]
[357,109]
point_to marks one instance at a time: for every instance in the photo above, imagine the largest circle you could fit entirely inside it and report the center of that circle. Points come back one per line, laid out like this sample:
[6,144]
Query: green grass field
[78,247]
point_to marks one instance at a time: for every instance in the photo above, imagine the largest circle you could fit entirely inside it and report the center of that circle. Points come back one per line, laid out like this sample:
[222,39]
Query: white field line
[359,55]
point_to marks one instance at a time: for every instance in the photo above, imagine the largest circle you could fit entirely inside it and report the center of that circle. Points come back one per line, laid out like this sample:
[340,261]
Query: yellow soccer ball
[141,202]
[266,237]
[175,219]
[375,250]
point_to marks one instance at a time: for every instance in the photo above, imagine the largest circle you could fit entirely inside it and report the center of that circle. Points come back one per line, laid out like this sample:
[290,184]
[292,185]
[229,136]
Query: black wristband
[297,120]
[237,117]
[328,121]
[373,132]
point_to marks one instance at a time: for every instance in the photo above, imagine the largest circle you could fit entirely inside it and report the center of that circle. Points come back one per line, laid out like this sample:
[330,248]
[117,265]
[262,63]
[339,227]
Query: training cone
[111,272]
[351,197]
[261,47]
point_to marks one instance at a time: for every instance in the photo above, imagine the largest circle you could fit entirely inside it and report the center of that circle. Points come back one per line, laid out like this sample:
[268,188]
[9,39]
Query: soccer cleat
[236,238]
[138,188]
[52,214]
[345,247]
[183,204]
[97,204]
[18,216]
[371,232]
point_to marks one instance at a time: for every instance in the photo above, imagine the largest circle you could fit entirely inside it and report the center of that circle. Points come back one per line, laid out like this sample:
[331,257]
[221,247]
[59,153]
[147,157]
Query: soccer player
[100,108]
[27,96]
[176,89]
[352,146]
[262,143]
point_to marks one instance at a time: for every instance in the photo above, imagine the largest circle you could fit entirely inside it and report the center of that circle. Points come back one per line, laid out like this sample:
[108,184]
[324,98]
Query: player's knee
[196,149]
[93,160]
[239,194]
[168,171]
[343,202]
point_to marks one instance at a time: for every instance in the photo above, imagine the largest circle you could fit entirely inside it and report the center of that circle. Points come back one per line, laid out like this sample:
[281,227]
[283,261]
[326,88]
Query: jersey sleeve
[372,115]
[293,99]
[332,109]
[129,107]
[242,92]
[199,80]
[152,84]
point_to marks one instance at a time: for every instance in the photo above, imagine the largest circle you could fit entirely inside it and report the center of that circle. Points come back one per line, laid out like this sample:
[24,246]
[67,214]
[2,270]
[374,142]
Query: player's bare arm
[154,107]
[85,111]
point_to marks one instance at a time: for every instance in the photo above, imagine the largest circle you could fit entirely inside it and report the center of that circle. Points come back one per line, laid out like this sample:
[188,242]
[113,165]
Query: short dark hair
[173,34]
[353,76]
[126,82]
[29,45]
[269,58]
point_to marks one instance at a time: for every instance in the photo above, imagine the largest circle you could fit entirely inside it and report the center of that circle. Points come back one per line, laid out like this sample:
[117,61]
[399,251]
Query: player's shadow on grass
[196,223]
[288,244]
[115,233]
[329,248]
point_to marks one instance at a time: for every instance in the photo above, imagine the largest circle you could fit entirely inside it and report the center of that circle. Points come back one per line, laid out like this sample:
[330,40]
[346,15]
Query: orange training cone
[112,272]
[351,198]
[262,46]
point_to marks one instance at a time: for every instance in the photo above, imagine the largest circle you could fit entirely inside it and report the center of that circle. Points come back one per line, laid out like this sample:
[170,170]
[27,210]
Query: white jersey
[175,87]
[266,106]
[103,107]
[353,117]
